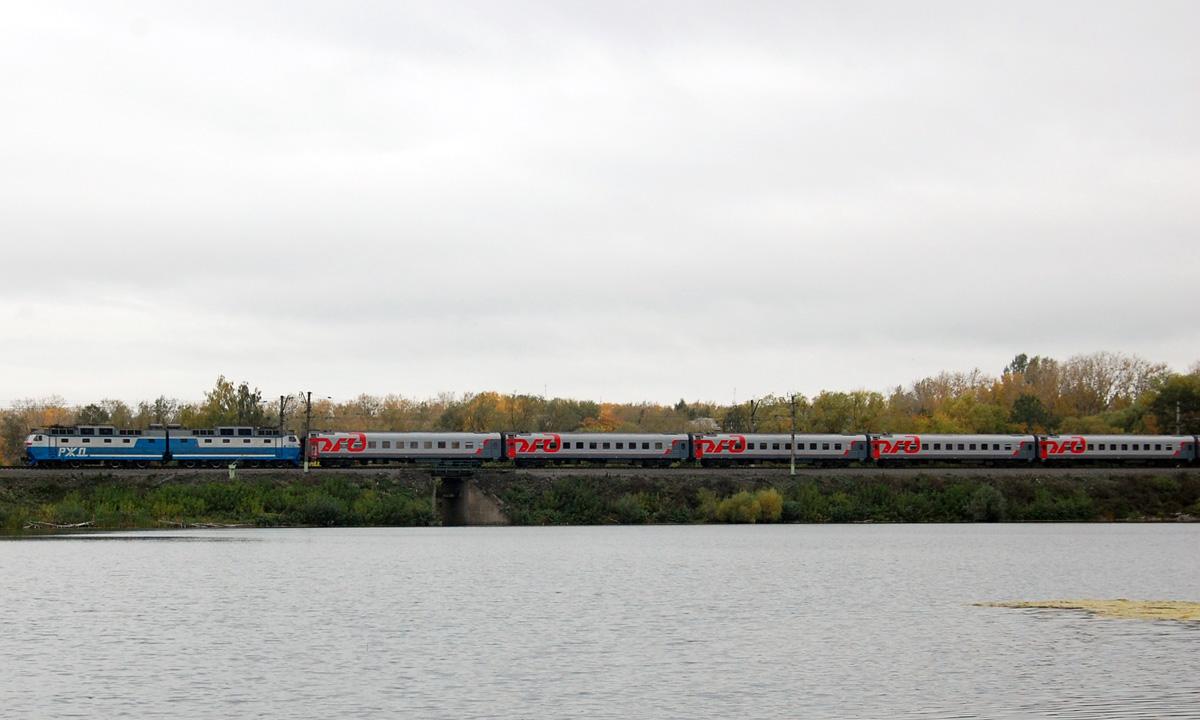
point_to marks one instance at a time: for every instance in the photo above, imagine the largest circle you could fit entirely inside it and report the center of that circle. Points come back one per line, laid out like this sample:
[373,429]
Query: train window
[578,444]
[591,446]
[385,443]
[971,446]
[245,431]
[428,444]
[225,441]
[824,446]
[1158,446]
[87,431]
[812,446]
[1124,446]
[207,441]
[266,442]
[413,445]
[125,441]
[937,446]
[246,441]
[924,446]
[837,446]
[605,446]
[774,446]
[442,444]
[961,447]
[658,446]
[226,431]
[107,440]
[86,440]
[620,446]
[645,446]
[469,445]
[454,445]
[106,431]
[1168,447]
[1008,447]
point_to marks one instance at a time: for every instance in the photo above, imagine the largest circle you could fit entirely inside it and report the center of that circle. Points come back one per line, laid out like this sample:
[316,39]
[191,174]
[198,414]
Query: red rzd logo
[352,442]
[548,443]
[1074,445]
[903,445]
[734,444]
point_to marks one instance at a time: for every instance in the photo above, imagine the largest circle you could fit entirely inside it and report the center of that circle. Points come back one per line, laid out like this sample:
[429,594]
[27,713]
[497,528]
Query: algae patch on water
[1120,608]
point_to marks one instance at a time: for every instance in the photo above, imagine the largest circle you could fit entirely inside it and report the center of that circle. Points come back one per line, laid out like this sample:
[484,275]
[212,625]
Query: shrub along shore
[44,501]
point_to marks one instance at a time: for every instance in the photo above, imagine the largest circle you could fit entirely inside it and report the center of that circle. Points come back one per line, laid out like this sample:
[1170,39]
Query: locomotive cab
[32,440]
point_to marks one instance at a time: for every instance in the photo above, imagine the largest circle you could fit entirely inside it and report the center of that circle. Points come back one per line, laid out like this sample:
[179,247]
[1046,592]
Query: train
[105,445]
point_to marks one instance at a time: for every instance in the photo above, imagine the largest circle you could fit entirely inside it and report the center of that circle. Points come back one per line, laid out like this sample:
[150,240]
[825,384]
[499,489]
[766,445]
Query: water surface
[655,622]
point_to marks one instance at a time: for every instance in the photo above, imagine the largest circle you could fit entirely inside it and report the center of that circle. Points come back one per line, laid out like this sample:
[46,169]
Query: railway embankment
[48,501]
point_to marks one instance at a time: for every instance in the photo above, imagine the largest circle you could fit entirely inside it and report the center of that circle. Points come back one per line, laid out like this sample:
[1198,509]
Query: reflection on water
[209,537]
[719,622]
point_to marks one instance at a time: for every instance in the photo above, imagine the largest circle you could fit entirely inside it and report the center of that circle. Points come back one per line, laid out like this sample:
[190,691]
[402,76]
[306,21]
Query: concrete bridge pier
[460,502]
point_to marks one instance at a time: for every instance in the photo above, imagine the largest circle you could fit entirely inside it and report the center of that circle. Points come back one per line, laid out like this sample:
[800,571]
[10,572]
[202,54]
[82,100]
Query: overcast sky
[611,200]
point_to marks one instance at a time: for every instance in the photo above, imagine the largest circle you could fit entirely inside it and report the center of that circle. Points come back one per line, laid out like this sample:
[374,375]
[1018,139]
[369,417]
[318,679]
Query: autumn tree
[227,404]
[1029,413]
[1178,394]
[92,414]
[160,411]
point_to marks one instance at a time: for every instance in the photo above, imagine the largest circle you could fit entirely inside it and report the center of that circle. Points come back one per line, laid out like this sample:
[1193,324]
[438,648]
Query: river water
[865,621]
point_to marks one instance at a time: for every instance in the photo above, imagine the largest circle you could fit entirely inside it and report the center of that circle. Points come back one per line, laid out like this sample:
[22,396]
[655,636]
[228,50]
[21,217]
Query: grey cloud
[598,198]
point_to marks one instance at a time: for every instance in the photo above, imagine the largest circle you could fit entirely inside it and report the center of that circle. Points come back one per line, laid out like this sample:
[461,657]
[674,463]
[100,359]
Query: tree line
[1095,393]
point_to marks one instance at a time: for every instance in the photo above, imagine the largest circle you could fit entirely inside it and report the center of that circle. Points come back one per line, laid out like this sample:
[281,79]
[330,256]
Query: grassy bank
[853,499]
[112,503]
[404,499]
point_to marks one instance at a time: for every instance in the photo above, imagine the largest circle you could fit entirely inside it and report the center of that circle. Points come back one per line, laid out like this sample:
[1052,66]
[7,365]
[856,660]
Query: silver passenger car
[923,447]
[1164,449]
[348,448]
[641,448]
[735,448]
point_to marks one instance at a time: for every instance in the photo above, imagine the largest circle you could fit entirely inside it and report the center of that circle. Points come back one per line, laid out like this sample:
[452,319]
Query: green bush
[744,507]
[987,504]
[630,509]
[740,508]
[770,505]
[321,510]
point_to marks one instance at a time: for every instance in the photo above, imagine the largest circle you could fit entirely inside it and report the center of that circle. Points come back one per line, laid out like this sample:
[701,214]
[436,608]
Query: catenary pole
[793,445]
[307,425]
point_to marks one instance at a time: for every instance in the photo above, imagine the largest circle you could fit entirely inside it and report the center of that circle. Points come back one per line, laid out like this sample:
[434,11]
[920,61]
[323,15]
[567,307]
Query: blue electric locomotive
[108,446]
